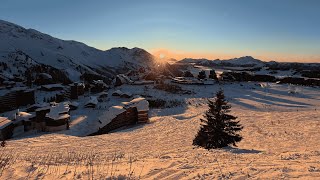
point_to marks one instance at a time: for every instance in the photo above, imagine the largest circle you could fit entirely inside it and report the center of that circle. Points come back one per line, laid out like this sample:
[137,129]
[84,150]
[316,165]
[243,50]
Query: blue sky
[287,30]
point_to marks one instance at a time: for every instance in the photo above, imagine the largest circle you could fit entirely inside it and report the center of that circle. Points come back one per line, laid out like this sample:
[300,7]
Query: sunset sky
[282,30]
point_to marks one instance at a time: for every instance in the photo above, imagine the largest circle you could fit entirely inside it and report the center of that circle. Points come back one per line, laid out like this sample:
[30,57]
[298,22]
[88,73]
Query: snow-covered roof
[4,122]
[77,84]
[58,117]
[43,108]
[126,94]
[74,103]
[118,92]
[124,79]
[57,111]
[100,82]
[186,80]
[45,75]
[112,112]
[49,86]
[92,100]
[23,116]
[103,93]
[140,103]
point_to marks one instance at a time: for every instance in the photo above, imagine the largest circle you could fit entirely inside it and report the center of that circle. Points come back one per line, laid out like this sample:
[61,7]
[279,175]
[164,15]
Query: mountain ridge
[72,57]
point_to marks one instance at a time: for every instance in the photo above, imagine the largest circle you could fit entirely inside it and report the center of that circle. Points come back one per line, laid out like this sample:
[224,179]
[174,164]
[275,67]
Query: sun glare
[162,56]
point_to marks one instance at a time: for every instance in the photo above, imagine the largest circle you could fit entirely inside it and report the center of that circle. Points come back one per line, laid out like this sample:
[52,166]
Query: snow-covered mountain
[241,61]
[22,48]
[191,60]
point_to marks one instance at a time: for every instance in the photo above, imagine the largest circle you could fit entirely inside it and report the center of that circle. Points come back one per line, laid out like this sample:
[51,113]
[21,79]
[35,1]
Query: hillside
[22,48]
[280,141]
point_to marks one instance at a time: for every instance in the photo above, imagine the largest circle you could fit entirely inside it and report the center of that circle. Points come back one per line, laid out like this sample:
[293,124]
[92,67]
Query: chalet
[186,80]
[34,107]
[73,105]
[117,93]
[52,87]
[98,86]
[76,89]
[58,117]
[102,96]
[39,122]
[92,102]
[22,122]
[122,94]
[61,96]
[142,106]
[133,112]
[122,79]
[126,95]
[6,128]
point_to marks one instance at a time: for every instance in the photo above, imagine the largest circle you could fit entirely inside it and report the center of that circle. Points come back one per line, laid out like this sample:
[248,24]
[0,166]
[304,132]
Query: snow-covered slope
[73,58]
[280,141]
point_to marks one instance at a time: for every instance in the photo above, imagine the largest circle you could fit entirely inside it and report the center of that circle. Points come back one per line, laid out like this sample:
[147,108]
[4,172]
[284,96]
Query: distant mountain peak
[240,61]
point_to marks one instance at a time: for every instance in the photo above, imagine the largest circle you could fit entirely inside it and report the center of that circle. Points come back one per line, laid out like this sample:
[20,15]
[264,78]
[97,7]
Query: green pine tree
[219,129]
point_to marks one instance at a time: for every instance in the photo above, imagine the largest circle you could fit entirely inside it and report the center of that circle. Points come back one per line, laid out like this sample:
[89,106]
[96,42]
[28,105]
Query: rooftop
[4,122]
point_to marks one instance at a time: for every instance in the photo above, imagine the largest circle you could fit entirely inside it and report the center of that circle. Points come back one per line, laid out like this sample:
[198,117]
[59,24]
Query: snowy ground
[281,141]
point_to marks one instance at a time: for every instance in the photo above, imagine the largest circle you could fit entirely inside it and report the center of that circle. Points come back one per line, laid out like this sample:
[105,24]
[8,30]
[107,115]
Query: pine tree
[187,74]
[202,75]
[219,129]
[213,75]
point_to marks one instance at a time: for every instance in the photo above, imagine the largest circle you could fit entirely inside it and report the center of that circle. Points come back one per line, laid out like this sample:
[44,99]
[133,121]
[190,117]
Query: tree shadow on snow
[265,98]
[241,151]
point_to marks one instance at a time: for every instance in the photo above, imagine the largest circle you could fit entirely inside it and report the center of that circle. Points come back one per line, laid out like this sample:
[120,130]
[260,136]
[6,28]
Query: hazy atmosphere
[286,30]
